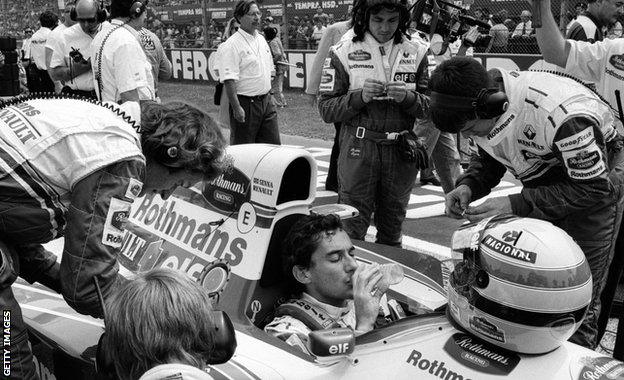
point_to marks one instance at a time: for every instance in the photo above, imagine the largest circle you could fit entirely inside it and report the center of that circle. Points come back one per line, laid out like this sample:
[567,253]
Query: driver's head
[383,19]
[318,258]
[161,317]
[182,146]
[459,77]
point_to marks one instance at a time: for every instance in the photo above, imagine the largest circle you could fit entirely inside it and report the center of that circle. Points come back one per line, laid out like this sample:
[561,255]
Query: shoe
[430,180]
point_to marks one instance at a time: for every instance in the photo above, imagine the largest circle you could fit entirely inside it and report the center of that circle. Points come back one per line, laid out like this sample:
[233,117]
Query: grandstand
[20,14]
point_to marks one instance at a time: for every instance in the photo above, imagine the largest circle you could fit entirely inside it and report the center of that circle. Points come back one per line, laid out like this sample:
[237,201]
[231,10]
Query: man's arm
[130,72]
[550,40]
[483,174]
[336,102]
[165,69]
[580,147]
[321,54]
[65,74]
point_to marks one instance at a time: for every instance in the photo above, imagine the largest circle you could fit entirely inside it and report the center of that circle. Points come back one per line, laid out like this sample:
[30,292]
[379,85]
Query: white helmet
[519,283]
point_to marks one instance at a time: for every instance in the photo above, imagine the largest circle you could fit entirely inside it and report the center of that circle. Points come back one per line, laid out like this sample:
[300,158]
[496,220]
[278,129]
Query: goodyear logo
[359,55]
[509,250]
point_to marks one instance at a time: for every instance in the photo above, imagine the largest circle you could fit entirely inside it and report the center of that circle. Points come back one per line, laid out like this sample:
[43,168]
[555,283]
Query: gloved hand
[412,150]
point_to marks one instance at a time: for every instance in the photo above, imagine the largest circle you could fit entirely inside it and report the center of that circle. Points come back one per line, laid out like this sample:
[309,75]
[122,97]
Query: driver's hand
[372,88]
[457,201]
[491,207]
[366,296]
[397,91]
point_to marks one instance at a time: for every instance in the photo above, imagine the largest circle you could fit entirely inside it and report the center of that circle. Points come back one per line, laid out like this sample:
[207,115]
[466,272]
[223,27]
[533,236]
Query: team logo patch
[577,140]
[479,355]
[134,188]
[116,218]
[529,132]
[405,77]
[359,55]
[583,160]
[327,80]
[509,250]
[484,327]
[354,152]
[617,60]
[327,63]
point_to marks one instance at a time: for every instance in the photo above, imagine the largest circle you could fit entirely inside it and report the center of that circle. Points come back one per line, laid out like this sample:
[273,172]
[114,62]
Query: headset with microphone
[488,104]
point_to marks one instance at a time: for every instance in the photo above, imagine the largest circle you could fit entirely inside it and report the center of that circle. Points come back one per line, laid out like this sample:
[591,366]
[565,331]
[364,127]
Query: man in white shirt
[320,265]
[245,69]
[55,42]
[121,70]
[524,27]
[38,78]
[70,62]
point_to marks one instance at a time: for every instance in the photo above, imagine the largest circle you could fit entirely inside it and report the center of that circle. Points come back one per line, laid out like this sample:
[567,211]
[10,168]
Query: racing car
[226,234]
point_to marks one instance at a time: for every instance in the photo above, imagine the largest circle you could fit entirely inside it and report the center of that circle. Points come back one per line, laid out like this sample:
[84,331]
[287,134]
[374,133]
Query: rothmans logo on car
[359,55]
[529,132]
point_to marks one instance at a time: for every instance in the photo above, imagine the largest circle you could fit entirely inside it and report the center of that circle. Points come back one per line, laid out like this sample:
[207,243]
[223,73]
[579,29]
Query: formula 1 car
[226,234]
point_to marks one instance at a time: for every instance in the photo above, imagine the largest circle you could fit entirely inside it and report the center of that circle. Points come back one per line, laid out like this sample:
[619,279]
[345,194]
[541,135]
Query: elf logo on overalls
[405,77]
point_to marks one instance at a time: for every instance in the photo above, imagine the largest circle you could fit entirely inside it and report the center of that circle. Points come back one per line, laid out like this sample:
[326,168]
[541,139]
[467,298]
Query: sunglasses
[89,20]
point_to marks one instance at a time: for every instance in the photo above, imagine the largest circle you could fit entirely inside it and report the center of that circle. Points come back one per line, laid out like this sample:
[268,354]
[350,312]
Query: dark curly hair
[242,8]
[182,137]
[362,10]
[301,242]
[48,19]
[458,76]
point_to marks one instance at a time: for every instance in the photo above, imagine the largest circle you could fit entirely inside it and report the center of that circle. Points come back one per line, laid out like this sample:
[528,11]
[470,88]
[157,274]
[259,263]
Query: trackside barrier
[191,65]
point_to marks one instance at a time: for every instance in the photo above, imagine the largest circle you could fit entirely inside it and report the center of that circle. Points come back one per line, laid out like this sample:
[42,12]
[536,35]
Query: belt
[257,98]
[363,133]
[87,94]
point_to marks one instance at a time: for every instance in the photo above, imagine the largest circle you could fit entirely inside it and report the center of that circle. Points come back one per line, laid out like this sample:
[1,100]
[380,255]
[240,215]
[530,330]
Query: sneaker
[430,180]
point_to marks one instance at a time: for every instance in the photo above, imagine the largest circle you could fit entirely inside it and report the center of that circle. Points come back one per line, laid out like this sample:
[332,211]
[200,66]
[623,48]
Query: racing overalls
[69,168]
[557,137]
[371,176]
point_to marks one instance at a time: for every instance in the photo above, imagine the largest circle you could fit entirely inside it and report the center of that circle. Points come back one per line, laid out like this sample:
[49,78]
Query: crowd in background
[302,32]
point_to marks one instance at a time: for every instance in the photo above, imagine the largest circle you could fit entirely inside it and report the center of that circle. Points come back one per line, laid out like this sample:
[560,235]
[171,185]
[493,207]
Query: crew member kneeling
[73,168]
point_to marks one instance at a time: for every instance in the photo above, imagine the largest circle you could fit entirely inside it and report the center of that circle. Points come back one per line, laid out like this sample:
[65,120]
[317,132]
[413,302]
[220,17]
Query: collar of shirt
[248,36]
[335,312]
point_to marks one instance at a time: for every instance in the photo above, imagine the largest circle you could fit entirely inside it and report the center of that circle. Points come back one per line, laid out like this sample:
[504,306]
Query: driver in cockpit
[331,289]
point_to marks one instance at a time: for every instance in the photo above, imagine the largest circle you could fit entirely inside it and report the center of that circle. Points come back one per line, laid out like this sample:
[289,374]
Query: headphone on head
[137,8]
[100,13]
[488,104]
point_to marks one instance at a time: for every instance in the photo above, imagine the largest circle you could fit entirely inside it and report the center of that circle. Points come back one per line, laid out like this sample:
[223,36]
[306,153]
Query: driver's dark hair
[48,19]
[301,241]
[242,8]
[363,9]
[458,76]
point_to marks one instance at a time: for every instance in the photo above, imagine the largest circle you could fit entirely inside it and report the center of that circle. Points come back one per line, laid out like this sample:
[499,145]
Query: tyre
[8,43]
[10,56]
[9,72]
[9,87]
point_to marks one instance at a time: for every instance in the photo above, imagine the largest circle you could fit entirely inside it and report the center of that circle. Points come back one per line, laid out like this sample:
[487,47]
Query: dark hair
[362,10]
[48,19]
[301,242]
[121,8]
[200,145]
[242,8]
[160,317]
[458,76]
[270,33]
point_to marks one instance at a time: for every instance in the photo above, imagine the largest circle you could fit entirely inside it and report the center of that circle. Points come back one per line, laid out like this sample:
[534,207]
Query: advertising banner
[193,64]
